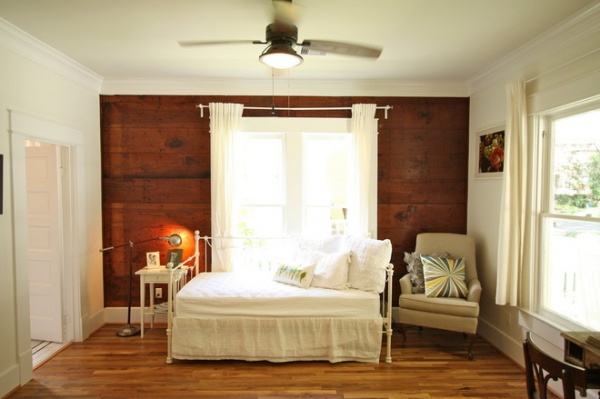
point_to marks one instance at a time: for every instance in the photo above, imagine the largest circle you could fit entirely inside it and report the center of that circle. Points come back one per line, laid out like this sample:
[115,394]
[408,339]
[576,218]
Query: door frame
[24,127]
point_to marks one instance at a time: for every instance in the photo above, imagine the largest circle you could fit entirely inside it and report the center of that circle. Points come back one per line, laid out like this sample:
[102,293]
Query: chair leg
[472,338]
[403,332]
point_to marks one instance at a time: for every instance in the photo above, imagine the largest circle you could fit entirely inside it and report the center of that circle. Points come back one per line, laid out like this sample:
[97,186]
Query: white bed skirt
[278,339]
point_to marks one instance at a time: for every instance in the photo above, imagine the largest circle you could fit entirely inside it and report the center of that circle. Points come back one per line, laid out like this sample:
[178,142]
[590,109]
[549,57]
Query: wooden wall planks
[156,171]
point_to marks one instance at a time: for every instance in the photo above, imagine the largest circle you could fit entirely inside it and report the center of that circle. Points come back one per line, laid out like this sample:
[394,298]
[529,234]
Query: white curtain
[514,196]
[224,122]
[364,133]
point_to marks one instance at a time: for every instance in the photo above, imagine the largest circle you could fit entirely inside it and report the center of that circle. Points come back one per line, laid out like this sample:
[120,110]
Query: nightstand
[159,275]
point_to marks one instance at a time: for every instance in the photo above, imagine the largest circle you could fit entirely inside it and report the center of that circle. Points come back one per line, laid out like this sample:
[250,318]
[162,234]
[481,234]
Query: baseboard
[26,365]
[9,381]
[506,344]
[92,323]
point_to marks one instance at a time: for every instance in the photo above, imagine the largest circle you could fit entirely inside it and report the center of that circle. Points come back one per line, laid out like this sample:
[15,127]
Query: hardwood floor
[433,365]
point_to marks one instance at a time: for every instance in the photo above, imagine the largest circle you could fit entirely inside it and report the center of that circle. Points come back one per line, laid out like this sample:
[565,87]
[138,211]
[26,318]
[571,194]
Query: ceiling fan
[282,37]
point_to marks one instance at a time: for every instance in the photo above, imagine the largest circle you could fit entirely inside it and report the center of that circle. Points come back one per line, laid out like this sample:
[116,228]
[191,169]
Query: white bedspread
[226,295]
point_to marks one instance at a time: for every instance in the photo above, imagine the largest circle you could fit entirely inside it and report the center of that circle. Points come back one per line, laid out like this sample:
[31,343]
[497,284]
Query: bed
[278,317]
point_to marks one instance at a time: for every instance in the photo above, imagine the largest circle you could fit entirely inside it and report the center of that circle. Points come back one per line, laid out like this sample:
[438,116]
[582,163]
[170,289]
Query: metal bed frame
[386,299]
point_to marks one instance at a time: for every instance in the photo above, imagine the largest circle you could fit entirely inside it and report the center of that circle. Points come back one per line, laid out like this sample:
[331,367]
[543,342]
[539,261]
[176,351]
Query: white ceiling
[422,40]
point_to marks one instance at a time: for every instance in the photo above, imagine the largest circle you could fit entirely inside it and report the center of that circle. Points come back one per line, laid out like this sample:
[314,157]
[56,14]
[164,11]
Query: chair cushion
[444,277]
[449,306]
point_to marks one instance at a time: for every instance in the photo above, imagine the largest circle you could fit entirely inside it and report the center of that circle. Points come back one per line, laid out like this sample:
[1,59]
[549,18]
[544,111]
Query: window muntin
[570,220]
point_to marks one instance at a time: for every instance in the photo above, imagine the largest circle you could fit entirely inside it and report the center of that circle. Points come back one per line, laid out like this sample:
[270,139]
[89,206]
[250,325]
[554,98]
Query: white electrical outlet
[158,293]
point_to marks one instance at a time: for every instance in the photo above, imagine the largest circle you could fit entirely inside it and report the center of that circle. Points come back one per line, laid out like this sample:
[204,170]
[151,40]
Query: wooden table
[580,352]
[159,275]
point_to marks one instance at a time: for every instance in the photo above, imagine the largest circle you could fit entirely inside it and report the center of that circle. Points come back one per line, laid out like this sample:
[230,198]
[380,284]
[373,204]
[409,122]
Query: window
[569,221]
[288,185]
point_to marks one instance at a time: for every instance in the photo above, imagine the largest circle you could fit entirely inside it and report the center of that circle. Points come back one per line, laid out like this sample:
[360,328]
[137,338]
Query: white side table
[160,275]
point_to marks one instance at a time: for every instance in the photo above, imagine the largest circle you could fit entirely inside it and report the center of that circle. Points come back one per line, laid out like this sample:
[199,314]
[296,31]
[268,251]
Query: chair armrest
[405,285]
[474,287]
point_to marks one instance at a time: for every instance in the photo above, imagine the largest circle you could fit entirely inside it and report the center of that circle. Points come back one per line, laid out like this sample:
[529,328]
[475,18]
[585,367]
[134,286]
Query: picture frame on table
[153,260]
[174,257]
[489,150]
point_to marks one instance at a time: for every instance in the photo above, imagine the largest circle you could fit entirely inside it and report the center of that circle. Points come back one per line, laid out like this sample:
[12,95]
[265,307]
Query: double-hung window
[569,218]
[288,184]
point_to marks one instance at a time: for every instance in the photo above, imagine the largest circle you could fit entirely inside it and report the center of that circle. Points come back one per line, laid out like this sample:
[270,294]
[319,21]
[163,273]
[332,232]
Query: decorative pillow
[298,275]
[327,244]
[444,277]
[332,271]
[368,262]
[309,250]
[414,266]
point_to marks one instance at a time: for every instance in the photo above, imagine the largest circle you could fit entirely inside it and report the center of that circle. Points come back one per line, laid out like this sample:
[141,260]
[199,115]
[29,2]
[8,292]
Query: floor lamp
[129,329]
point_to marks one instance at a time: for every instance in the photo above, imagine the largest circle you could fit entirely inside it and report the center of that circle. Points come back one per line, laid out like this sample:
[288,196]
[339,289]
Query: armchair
[446,313]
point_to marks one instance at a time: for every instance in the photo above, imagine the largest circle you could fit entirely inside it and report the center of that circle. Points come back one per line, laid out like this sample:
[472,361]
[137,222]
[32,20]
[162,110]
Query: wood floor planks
[433,365]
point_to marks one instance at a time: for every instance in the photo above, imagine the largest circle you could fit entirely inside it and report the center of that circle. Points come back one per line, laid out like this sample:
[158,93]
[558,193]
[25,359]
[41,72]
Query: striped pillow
[444,277]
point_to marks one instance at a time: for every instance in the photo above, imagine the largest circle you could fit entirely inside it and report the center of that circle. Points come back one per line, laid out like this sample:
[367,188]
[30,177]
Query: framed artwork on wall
[489,153]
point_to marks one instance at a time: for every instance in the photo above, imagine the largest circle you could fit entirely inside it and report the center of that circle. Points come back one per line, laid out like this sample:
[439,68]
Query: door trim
[24,127]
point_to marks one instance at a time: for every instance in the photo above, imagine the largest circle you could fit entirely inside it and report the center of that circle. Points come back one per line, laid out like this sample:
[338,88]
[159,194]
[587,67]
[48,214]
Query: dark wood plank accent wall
[156,172]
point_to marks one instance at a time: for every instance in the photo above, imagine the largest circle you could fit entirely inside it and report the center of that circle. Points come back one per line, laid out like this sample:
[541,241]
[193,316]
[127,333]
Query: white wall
[42,93]
[560,67]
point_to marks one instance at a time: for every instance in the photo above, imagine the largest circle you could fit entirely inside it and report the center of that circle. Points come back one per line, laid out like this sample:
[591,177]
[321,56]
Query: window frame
[542,170]
[287,125]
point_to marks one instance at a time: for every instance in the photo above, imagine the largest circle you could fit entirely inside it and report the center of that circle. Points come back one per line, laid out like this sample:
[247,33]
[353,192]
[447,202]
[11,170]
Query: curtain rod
[385,108]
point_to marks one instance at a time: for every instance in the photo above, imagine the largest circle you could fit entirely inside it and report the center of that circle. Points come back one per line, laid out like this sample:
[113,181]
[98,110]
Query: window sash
[569,267]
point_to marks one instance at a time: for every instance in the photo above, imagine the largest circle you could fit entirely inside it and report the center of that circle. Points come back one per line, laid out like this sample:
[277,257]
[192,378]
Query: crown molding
[40,53]
[267,87]
[572,30]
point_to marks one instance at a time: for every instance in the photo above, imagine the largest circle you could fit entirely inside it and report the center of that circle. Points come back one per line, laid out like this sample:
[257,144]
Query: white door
[44,258]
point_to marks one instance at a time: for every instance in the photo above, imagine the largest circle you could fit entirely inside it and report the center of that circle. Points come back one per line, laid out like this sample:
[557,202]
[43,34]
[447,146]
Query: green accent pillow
[444,277]
[300,276]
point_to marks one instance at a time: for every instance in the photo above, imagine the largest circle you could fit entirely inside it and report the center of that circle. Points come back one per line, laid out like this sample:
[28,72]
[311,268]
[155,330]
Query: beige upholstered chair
[454,314]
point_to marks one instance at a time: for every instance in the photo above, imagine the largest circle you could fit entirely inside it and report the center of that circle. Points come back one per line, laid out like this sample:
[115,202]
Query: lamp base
[128,331]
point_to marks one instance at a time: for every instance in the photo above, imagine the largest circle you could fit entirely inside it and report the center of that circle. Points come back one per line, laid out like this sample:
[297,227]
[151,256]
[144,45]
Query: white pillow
[369,260]
[298,275]
[332,271]
[309,250]
[327,244]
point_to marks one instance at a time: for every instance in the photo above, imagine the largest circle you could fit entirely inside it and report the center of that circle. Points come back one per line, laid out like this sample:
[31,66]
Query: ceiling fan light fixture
[280,56]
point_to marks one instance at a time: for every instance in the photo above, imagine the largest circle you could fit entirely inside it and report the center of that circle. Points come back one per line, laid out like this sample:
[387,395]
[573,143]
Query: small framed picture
[152,259]
[174,257]
[489,153]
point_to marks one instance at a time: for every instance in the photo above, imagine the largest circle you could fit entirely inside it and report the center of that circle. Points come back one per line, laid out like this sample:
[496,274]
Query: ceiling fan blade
[322,47]
[195,43]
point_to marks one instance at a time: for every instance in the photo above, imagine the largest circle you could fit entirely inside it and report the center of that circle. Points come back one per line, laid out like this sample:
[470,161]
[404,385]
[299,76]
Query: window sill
[547,329]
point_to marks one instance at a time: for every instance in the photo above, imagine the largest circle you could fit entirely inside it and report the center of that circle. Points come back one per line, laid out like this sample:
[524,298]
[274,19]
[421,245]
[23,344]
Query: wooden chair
[540,368]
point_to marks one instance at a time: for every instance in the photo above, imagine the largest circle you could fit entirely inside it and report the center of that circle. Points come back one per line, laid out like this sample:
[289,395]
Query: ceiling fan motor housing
[279,33]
